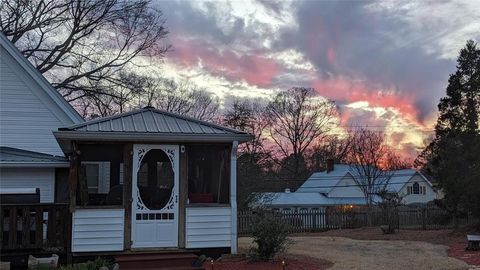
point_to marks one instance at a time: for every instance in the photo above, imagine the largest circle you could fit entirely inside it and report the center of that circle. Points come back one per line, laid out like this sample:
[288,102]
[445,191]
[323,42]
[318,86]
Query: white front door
[155,196]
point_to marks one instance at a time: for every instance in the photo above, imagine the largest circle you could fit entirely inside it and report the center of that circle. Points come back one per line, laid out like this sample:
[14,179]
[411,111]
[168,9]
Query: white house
[145,180]
[30,109]
[337,186]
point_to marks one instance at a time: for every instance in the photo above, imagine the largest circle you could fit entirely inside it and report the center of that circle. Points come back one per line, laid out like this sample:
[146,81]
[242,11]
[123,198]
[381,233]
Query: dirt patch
[348,253]
[454,239]
[439,237]
[291,263]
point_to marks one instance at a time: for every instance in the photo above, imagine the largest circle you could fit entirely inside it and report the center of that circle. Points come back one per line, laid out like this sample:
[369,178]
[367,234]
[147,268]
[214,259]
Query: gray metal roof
[17,157]
[150,120]
[148,125]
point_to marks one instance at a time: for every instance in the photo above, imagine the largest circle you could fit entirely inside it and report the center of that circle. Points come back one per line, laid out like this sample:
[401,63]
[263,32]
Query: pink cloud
[344,90]
[253,68]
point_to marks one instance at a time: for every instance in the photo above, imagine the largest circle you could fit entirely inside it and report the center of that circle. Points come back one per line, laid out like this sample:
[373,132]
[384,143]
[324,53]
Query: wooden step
[177,261]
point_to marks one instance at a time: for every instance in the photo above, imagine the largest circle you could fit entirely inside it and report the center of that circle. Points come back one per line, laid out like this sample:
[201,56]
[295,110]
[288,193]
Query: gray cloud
[349,38]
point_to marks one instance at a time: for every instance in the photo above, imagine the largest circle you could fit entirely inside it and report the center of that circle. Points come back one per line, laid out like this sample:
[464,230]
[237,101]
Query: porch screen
[208,174]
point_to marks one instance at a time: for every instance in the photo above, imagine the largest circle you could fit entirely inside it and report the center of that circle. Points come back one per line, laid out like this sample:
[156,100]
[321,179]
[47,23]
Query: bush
[270,237]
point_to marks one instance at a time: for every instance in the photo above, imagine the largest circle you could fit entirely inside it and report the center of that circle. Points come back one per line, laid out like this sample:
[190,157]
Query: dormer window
[416,188]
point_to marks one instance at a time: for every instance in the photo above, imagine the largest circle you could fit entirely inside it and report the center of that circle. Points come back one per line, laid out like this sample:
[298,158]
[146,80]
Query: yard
[368,248]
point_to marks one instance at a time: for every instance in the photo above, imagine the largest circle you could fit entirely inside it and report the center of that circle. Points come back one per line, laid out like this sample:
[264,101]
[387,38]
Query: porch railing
[43,226]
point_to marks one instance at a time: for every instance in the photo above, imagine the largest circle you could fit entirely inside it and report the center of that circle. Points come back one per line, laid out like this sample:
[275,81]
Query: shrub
[270,237]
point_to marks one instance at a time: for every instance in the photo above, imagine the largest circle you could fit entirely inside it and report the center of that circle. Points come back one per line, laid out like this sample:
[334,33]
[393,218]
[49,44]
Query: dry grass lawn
[348,253]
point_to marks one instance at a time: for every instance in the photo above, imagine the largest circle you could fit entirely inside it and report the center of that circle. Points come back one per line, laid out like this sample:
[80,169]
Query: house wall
[418,198]
[26,118]
[98,230]
[42,178]
[346,188]
[208,227]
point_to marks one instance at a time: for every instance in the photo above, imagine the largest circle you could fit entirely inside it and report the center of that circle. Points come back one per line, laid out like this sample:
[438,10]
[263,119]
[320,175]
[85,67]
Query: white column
[233,196]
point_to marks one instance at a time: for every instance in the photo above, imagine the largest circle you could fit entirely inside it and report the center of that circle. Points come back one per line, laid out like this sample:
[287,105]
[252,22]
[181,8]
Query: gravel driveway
[348,253]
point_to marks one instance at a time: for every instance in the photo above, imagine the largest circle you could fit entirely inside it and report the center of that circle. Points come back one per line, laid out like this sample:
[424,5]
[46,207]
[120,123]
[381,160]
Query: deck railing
[34,226]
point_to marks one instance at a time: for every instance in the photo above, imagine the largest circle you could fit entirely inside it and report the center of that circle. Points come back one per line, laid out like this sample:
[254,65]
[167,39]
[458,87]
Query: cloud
[252,68]
[394,56]
[353,40]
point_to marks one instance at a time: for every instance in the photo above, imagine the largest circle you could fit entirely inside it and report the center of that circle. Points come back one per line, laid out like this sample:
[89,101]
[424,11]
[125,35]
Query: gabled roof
[150,125]
[17,157]
[324,182]
[52,94]
[401,177]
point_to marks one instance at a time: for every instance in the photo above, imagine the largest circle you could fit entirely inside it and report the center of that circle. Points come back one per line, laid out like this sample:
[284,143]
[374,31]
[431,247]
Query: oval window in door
[155,179]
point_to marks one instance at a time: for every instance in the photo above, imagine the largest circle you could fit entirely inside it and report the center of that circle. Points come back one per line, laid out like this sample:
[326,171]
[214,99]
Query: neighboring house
[30,109]
[337,186]
[144,180]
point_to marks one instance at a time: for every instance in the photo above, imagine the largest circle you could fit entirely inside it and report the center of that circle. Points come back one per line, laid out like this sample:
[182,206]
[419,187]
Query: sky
[385,64]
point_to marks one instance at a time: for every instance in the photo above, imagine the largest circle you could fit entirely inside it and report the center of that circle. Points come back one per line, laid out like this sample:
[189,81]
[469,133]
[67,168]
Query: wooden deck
[42,226]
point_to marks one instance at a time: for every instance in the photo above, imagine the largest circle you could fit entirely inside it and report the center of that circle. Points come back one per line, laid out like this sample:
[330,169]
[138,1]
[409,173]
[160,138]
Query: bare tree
[81,46]
[248,116]
[371,162]
[331,147]
[296,119]
[182,98]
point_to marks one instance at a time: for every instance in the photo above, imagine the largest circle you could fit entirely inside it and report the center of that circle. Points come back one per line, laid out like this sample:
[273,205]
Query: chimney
[330,165]
[287,190]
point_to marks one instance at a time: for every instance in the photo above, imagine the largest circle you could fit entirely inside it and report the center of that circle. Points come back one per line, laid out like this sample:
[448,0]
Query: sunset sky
[385,64]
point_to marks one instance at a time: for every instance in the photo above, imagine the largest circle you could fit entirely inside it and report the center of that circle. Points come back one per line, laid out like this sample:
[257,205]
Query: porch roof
[14,157]
[149,125]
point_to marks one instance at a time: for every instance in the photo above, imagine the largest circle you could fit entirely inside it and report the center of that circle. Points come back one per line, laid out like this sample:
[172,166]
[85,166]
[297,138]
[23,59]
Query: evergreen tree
[453,157]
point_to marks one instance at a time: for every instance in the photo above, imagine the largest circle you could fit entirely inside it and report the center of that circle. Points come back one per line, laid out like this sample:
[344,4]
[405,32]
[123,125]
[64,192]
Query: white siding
[346,188]
[98,230]
[418,198]
[26,121]
[42,178]
[208,227]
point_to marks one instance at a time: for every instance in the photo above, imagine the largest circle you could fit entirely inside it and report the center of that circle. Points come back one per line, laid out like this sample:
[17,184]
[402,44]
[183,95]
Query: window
[409,190]
[155,180]
[416,188]
[424,190]
[208,174]
[97,175]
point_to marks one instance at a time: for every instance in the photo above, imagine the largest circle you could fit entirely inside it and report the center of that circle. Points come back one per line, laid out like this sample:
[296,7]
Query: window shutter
[104,183]
[120,174]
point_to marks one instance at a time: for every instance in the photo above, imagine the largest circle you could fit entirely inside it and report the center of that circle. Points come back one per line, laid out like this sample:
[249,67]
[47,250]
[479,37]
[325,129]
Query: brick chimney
[330,165]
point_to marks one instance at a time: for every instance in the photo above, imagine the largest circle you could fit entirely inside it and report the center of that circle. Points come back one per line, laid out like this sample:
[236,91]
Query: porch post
[183,190]
[127,194]
[233,196]
[73,177]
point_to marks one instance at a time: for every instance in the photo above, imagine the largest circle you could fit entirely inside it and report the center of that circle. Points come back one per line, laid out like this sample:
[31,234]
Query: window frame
[102,179]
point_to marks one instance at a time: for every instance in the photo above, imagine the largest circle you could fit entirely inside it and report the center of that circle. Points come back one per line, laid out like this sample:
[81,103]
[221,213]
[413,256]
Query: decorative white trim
[233,196]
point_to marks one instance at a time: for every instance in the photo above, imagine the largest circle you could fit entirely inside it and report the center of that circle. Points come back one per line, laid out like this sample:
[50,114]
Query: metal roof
[17,157]
[151,120]
[148,125]
[306,199]
[324,182]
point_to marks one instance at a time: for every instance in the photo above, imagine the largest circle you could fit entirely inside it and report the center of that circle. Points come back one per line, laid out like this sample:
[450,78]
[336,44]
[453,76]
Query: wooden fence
[34,226]
[321,219]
